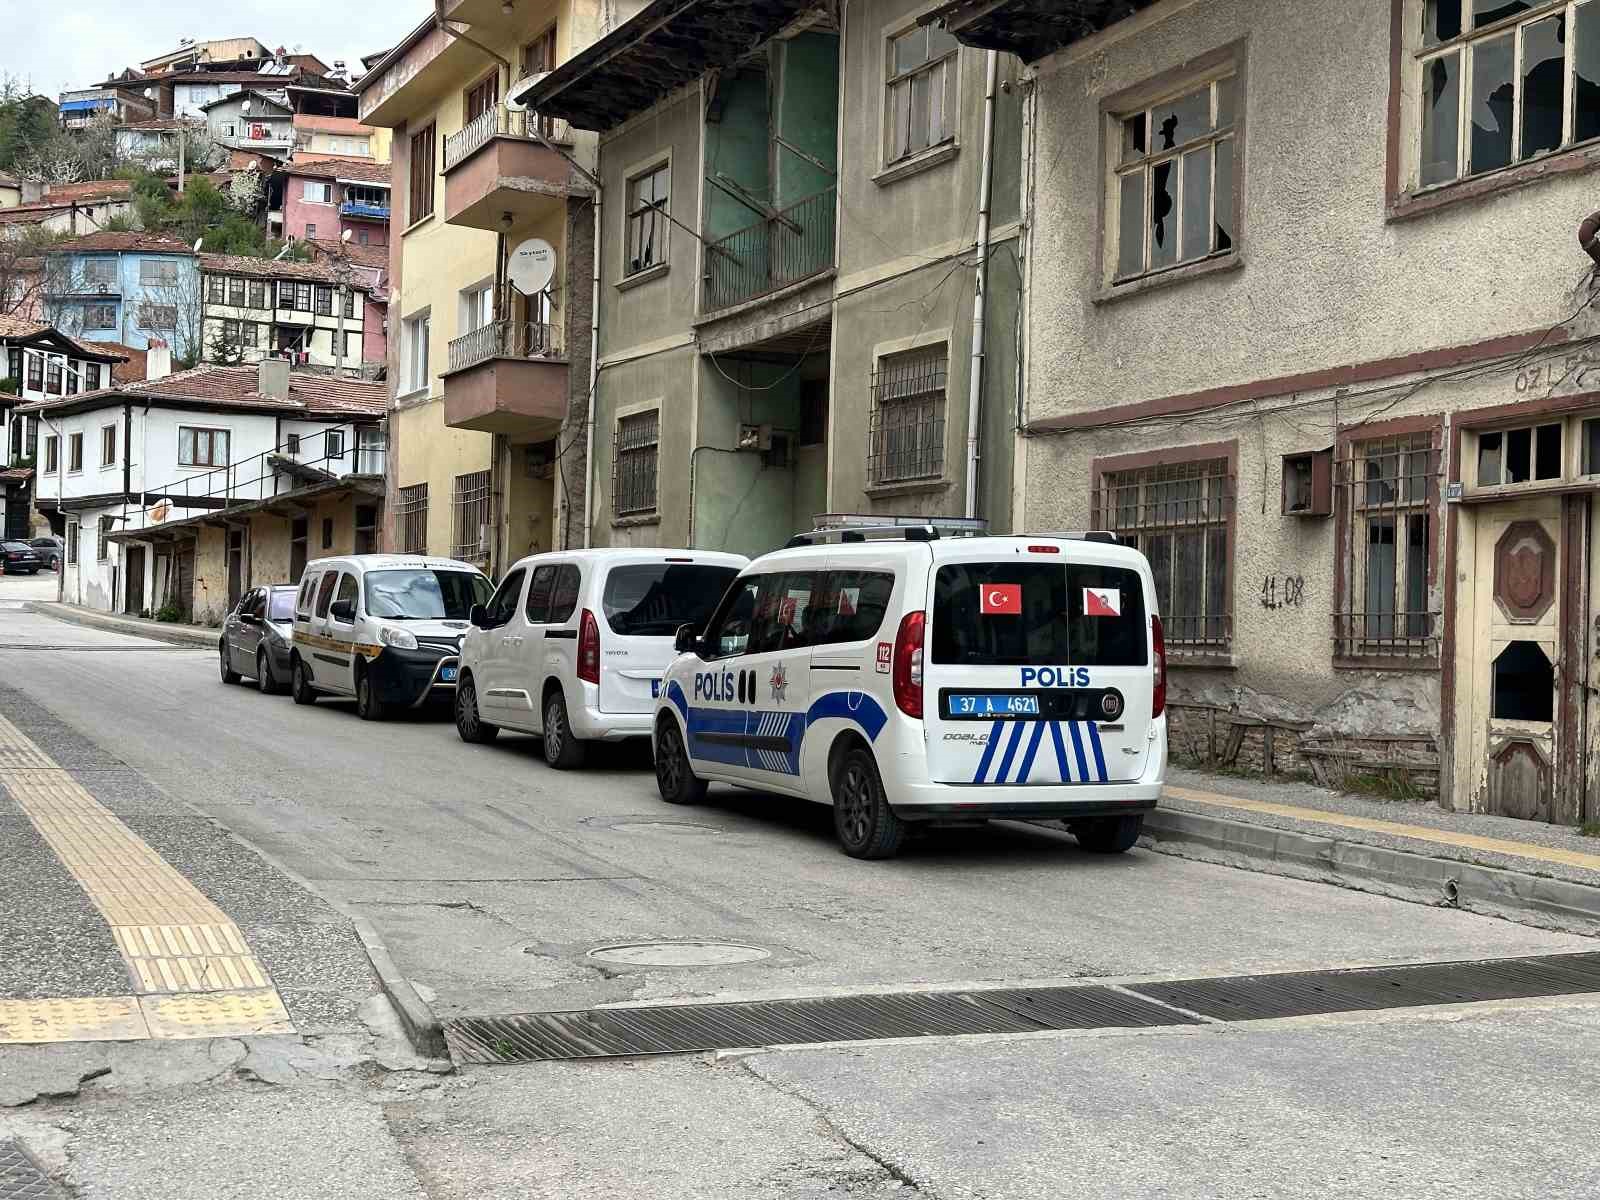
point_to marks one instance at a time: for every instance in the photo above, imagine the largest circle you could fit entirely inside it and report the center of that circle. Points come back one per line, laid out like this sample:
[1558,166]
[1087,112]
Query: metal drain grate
[685,1028]
[20,1177]
[1306,993]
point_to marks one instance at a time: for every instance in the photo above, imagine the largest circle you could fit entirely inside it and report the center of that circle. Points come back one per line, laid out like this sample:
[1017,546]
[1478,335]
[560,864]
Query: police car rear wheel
[561,749]
[1108,835]
[674,777]
[229,675]
[469,722]
[866,825]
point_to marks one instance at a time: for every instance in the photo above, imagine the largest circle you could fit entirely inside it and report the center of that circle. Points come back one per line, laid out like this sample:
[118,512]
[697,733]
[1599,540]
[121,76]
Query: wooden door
[1516,630]
[185,590]
[135,573]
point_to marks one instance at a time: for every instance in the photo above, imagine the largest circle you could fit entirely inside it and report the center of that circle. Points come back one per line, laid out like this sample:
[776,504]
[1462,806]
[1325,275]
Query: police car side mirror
[478,616]
[685,639]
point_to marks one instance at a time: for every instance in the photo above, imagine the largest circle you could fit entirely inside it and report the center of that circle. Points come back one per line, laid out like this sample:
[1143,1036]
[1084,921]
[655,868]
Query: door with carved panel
[1516,630]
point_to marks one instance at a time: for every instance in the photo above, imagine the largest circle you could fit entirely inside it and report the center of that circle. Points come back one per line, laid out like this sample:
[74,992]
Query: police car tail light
[908,665]
[1158,703]
[589,648]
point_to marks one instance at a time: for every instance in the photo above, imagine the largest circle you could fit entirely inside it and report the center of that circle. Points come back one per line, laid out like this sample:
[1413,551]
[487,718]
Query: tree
[25,121]
[22,272]
[223,350]
[202,213]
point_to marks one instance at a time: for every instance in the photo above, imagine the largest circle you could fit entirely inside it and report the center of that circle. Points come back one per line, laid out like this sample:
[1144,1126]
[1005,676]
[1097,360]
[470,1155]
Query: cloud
[55,47]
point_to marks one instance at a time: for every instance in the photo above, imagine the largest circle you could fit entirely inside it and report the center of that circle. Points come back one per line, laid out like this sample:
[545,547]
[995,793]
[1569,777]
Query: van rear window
[1021,613]
[653,599]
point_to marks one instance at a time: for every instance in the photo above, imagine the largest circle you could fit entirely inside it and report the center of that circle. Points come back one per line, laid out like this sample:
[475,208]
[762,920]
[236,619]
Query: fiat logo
[1111,705]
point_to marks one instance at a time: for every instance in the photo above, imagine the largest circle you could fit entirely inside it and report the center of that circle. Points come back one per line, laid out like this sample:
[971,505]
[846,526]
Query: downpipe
[981,284]
[594,379]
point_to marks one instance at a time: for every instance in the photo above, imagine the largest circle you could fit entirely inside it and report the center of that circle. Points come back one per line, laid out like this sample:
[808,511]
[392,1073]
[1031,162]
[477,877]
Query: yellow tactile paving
[1422,833]
[194,974]
[91,1019]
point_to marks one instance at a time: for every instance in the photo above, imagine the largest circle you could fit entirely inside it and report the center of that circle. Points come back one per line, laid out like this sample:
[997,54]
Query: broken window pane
[1179,120]
[940,42]
[1380,577]
[921,88]
[1591,446]
[1544,68]
[1524,684]
[1223,212]
[1488,459]
[901,94]
[1225,102]
[910,50]
[1547,452]
[1586,74]
[1133,143]
[1441,119]
[1380,478]
[1441,21]
[1163,203]
[1197,203]
[1487,12]
[1130,228]
[1519,445]
[1417,575]
[1494,99]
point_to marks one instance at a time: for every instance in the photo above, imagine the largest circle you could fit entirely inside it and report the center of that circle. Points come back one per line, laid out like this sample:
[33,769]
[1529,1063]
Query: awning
[1030,29]
[86,105]
[667,44]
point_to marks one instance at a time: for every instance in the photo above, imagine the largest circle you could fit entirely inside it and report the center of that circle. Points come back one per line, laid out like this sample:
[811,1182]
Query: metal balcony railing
[504,339]
[793,244]
[500,121]
[355,208]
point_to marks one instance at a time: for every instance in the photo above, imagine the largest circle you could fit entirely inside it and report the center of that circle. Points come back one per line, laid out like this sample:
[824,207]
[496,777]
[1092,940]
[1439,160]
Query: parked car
[19,558]
[902,676]
[573,644]
[51,550]
[256,637]
[384,628]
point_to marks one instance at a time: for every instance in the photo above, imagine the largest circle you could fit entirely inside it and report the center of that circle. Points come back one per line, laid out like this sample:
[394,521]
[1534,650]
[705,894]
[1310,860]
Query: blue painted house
[129,288]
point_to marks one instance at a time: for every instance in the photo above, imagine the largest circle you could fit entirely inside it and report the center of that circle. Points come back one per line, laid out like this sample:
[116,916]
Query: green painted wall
[737,148]
[808,114]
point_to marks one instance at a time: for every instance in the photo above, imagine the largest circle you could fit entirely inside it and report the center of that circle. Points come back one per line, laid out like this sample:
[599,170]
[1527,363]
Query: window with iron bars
[1178,515]
[908,405]
[411,519]
[471,503]
[633,472]
[1388,493]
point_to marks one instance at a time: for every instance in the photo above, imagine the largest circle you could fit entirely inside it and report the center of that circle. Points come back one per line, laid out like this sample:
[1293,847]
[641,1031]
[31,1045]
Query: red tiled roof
[110,240]
[330,124]
[265,268]
[17,328]
[93,189]
[12,326]
[16,475]
[361,169]
[234,388]
[31,214]
[372,257]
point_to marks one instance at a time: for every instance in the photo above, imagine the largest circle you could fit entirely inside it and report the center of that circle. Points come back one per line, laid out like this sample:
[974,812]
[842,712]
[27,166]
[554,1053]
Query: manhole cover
[680,954]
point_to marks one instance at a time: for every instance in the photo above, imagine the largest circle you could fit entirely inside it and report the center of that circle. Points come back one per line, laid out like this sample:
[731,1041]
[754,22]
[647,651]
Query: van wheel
[867,826]
[562,750]
[300,685]
[265,679]
[675,778]
[1108,835]
[229,675]
[368,706]
[469,723]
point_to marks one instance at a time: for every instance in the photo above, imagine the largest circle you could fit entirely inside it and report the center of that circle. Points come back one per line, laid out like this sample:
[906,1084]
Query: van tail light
[1158,637]
[908,664]
[589,649]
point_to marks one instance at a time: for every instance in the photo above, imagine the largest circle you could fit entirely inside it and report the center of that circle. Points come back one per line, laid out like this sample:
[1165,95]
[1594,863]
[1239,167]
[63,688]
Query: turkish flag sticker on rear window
[1000,598]
[1102,602]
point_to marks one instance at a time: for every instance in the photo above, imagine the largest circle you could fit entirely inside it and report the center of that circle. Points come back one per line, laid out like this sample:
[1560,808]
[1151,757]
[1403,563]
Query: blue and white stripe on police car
[1006,738]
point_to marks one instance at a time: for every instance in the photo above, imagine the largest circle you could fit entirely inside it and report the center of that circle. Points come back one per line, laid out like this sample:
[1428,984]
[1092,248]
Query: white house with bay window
[139,478]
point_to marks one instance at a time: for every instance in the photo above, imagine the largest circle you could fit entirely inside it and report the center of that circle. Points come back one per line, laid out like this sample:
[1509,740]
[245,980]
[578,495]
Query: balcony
[368,212]
[786,248]
[493,167]
[507,377]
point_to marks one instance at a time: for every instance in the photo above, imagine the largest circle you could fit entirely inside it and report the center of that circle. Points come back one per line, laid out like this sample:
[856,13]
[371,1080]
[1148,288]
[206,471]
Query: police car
[904,675]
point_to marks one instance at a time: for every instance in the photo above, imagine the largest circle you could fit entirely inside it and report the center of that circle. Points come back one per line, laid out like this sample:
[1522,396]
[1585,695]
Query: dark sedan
[50,550]
[19,558]
[255,638]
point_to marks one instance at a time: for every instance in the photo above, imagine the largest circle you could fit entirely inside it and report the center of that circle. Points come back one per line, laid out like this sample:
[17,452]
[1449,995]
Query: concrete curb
[1526,898]
[174,635]
[424,1030]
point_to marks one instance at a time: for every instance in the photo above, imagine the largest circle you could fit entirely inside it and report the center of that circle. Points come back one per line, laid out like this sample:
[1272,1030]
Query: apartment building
[252,119]
[315,200]
[313,314]
[186,489]
[1308,322]
[801,206]
[317,137]
[490,283]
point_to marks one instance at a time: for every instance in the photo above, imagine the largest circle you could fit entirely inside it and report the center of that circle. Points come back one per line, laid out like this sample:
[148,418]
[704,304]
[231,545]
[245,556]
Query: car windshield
[653,599]
[417,594]
[281,606]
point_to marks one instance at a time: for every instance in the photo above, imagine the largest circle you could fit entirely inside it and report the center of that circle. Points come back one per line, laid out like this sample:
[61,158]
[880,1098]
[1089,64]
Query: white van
[903,676]
[384,628]
[573,645]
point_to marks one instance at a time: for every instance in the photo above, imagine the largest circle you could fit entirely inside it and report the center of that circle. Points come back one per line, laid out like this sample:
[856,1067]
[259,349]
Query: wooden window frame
[423,178]
[639,450]
[75,453]
[212,431]
[479,96]
[948,64]
[632,216]
[108,446]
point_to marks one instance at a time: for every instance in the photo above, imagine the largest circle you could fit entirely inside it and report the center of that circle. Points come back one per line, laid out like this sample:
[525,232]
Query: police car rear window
[1025,613]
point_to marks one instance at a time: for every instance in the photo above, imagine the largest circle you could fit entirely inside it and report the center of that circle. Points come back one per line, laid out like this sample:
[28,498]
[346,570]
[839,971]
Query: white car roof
[943,549]
[634,554]
[393,562]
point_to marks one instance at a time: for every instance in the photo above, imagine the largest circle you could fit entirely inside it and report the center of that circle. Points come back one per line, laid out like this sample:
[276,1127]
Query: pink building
[370,265]
[319,201]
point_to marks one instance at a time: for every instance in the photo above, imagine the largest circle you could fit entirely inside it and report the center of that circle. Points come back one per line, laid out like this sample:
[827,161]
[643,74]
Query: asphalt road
[492,877]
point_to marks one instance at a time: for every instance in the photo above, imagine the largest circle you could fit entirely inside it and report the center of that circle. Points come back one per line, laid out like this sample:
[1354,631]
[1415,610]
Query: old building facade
[1311,326]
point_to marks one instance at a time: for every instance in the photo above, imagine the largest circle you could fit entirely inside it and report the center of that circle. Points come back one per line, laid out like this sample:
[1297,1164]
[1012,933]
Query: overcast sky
[54,45]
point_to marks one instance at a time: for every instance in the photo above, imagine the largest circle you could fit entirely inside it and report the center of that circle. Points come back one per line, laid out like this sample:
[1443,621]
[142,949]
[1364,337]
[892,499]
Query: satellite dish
[161,511]
[533,266]
[513,100]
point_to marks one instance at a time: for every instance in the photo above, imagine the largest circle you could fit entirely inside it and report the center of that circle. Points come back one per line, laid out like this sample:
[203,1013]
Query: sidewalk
[160,631]
[1536,874]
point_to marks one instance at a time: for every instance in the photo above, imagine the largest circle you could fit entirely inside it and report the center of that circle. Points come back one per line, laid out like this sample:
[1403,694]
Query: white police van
[902,676]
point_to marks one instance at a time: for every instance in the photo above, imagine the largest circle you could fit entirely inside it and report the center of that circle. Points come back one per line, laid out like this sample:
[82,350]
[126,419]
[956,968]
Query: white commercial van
[573,645]
[384,628]
[904,676]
